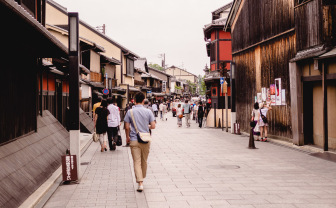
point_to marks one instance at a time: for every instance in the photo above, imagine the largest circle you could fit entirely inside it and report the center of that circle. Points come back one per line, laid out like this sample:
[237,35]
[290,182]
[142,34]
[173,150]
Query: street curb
[288,144]
[44,192]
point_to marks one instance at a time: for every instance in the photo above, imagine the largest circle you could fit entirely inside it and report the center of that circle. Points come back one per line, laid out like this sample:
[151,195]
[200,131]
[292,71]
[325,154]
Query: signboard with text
[69,168]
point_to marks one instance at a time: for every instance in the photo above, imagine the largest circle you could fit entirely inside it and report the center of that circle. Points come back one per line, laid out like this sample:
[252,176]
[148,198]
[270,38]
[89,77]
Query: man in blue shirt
[144,120]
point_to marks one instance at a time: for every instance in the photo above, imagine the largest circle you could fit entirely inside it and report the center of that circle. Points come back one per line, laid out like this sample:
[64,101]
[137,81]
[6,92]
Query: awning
[98,93]
[133,89]
[84,69]
[330,54]
[158,94]
[309,53]
[145,75]
[105,59]
[97,84]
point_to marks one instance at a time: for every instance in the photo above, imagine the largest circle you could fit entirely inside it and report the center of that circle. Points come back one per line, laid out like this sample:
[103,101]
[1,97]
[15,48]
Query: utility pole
[163,62]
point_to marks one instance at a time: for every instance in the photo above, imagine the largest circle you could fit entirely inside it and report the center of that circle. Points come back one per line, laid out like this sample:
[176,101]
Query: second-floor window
[212,52]
[129,67]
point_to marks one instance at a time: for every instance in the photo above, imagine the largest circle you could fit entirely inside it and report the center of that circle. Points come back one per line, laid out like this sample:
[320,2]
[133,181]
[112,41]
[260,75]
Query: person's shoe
[262,139]
[113,146]
[265,140]
[140,188]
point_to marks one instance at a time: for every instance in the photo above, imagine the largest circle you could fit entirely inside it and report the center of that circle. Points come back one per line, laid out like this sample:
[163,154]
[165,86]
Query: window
[214,91]
[212,52]
[129,67]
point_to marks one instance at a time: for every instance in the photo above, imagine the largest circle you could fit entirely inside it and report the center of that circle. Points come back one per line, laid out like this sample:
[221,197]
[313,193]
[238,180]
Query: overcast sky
[152,27]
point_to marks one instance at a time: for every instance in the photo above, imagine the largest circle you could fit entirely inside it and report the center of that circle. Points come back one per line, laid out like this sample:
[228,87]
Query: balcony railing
[139,83]
[212,75]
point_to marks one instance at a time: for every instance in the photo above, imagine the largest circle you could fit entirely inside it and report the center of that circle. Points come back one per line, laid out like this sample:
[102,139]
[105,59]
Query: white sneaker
[140,188]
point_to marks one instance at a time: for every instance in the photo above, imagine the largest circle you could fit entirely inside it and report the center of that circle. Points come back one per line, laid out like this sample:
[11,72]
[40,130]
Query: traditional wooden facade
[313,74]
[263,42]
[27,130]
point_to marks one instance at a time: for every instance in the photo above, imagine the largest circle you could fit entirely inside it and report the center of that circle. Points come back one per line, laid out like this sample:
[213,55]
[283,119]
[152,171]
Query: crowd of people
[198,111]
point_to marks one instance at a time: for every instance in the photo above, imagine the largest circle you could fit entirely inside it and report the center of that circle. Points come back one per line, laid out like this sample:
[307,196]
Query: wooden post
[325,108]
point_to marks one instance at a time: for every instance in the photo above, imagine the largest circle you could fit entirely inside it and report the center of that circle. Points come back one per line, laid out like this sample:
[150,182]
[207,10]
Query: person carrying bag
[137,122]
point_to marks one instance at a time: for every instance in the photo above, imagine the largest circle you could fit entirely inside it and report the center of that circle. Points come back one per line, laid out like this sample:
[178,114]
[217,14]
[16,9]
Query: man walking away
[200,114]
[161,110]
[155,109]
[186,110]
[113,122]
[164,111]
[144,121]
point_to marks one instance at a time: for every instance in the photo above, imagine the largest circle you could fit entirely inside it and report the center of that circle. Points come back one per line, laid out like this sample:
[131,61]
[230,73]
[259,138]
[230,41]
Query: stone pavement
[193,167]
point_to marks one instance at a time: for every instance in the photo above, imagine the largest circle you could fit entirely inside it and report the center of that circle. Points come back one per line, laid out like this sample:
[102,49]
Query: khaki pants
[140,154]
[187,119]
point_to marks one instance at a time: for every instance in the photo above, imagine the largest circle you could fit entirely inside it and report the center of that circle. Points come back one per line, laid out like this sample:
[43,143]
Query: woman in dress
[101,124]
[262,125]
[178,115]
[255,117]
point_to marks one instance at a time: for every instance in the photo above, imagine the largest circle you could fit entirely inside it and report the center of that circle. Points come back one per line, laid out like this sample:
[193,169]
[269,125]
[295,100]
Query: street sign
[225,87]
[221,79]
[105,91]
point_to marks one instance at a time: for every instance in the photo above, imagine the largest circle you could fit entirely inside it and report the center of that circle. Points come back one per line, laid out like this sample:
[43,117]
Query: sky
[153,27]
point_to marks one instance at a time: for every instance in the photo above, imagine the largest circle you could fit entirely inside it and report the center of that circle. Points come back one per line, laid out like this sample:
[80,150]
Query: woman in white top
[179,112]
[262,125]
[255,118]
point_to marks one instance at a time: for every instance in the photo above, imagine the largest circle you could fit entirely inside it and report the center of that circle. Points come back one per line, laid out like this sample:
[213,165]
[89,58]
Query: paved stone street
[193,167]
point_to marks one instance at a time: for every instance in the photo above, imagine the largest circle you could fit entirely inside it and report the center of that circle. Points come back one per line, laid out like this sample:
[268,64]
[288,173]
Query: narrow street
[193,167]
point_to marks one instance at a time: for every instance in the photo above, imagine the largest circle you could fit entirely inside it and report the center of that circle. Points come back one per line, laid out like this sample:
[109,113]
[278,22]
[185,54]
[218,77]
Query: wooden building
[313,74]
[263,43]
[219,51]
[27,130]
[293,40]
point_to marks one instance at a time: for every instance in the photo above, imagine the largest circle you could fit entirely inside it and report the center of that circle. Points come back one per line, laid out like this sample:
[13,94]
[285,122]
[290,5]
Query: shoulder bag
[142,137]
[95,136]
[263,117]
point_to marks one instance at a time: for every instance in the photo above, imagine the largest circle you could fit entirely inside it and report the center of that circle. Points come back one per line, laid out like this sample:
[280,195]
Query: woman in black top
[101,124]
[200,114]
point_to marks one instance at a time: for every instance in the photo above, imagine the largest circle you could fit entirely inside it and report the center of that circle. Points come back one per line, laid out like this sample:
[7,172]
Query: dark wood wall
[274,59]
[17,97]
[315,24]
[260,20]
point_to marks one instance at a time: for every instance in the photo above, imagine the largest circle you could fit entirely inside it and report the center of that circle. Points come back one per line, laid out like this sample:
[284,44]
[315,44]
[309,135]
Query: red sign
[105,91]
[69,168]
[209,101]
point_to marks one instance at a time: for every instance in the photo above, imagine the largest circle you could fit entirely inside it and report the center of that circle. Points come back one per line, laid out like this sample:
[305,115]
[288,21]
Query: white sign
[278,91]
[263,93]
[283,97]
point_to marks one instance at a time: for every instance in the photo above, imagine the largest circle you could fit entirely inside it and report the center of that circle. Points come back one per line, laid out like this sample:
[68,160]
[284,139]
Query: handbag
[252,124]
[119,140]
[143,137]
[95,136]
[263,117]
[180,116]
